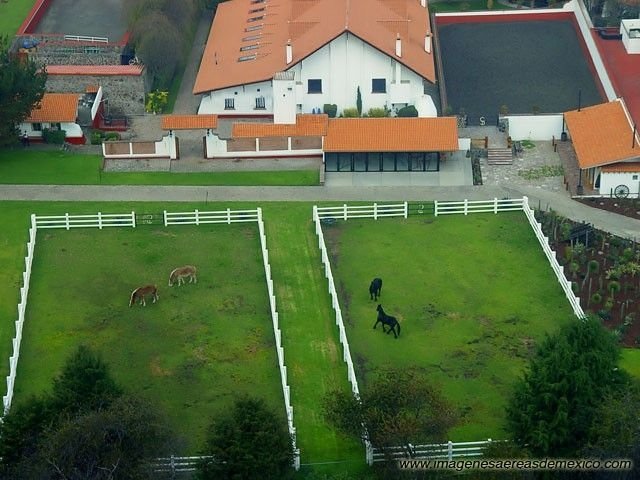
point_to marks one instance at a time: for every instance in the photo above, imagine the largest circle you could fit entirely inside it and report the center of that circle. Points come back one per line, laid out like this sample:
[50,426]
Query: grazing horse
[387,320]
[139,293]
[375,289]
[179,274]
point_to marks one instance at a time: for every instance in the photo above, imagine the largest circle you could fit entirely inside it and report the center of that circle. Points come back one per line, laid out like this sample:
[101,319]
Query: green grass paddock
[474,295]
[192,352]
[12,14]
[44,167]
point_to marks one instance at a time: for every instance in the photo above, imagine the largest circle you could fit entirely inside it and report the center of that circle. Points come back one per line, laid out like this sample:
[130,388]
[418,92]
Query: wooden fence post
[345,212]
[164,217]
[66,219]
[435,208]
[375,211]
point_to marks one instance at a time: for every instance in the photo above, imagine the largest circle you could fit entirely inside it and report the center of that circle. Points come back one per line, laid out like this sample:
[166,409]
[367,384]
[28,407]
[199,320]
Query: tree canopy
[397,407]
[249,442]
[22,84]
[554,406]
[85,428]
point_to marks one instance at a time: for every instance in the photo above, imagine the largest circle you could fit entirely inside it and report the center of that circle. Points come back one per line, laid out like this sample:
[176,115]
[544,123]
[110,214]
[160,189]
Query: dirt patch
[629,207]
[604,271]
[157,370]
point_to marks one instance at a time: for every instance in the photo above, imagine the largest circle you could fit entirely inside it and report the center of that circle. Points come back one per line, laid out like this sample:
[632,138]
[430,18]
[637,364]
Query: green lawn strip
[12,14]
[474,294]
[313,354]
[43,167]
[464,6]
[192,352]
[630,361]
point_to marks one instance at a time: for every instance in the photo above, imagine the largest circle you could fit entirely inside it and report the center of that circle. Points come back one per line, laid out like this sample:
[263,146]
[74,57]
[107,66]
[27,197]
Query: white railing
[335,303]
[477,206]
[374,211]
[175,465]
[200,218]
[22,307]
[196,217]
[84,38]
[99,220]
[449,451]
[278,336]
[553,261]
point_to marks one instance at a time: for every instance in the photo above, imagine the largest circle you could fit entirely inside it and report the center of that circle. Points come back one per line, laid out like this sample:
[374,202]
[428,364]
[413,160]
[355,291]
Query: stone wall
[124,94]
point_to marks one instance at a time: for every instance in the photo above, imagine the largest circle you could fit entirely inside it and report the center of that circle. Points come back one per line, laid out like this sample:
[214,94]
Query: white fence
[196,217]
[99,220]
[175,465]
[22,307]
[449,451]
[553,261]
[345,212]
[374,211]
[278,335]
[200,218]
[535,127]
[478,206]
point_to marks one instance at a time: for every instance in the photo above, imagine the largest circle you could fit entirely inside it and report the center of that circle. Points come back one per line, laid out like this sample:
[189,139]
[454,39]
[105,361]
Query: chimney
[423,3]
[427,42]
[289,52]
[398,46]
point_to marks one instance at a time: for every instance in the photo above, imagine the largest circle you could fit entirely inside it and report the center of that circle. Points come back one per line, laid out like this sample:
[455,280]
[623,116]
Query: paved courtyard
[103,18]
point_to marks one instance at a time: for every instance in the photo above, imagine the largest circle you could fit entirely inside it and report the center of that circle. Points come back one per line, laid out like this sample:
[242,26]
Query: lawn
[42,167]
[303,305]
[474,295]
[193,351]
[12,14]
[458,6]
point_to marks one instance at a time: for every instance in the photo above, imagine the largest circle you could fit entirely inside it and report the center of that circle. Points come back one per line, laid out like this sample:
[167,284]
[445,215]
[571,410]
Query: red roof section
[602,134]
[262,30]
[307,125]
[438,134]
[622,167]
[56,107]
[624,72]
[189,122]
[98,70]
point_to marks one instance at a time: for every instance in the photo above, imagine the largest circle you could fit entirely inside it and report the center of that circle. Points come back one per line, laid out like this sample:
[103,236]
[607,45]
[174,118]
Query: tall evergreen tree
[22,84]
[554,406]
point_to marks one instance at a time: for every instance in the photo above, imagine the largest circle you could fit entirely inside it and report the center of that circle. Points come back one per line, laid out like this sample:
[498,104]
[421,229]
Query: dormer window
[255,19]
[256,10]
[249,47]
[253,28]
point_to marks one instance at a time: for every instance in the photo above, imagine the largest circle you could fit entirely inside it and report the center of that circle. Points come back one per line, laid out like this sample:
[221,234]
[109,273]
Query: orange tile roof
[92,88]
[56,107]
[601,134]
[99,70]
[189,122]
[392,135]
[309,24]
[307,125]
[622,167]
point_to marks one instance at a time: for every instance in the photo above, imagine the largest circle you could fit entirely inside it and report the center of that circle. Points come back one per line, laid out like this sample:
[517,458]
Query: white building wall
[244,100]
[534,127]
[342,65]
[73,130]
[609,181]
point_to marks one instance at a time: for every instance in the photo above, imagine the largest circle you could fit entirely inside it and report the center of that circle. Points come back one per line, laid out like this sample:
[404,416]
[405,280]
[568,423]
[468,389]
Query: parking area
[535,66]
[84,17]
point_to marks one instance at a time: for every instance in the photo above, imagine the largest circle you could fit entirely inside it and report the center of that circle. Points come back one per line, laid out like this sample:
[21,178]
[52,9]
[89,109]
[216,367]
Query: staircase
[499,156]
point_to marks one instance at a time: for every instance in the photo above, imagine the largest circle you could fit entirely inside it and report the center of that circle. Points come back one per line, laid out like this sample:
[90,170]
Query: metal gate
[149,219]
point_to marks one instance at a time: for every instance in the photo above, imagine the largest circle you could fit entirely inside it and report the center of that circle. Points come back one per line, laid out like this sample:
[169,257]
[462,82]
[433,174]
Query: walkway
[559,201]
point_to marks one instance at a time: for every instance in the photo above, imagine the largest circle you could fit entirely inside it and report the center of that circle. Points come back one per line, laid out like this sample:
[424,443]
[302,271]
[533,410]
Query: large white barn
[284,57]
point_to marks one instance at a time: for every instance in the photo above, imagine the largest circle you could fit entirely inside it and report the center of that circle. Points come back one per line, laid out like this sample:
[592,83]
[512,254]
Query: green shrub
[53,136]
[112,136]
[350,113]
[408,111]
[596,298]
[96,137]
[378,112]
[330,109]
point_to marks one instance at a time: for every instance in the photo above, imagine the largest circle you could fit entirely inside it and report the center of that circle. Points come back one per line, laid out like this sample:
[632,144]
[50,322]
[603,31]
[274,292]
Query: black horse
[387,320]
[375,289]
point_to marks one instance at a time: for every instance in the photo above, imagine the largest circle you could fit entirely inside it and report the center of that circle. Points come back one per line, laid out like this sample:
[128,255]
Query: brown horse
[179,274]
[139,293]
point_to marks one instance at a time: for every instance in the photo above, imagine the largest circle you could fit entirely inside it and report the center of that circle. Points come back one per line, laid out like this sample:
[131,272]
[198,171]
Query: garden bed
[629,207]
[605,271]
